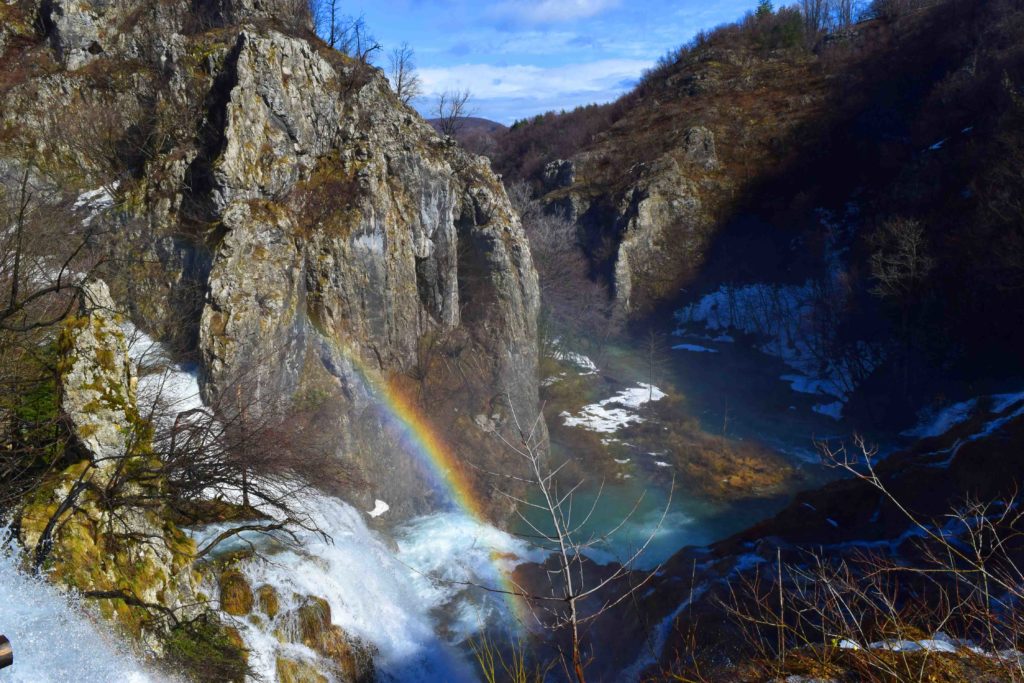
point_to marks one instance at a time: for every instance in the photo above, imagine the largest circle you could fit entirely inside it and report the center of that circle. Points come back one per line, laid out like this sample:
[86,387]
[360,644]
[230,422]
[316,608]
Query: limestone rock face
[301,232]
[662,222]
[229,12]
[251,324]
[658,215]
[82,31]
[88,539]
[558,174]
[282,116]
[357,245]
[699,147]
[98,386]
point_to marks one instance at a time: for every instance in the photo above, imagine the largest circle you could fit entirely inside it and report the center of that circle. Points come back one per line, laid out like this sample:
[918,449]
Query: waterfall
[54,640]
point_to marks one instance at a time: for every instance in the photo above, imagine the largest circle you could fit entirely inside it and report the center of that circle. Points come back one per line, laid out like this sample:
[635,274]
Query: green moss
[206,650]
[236,596]
[268,601]
[291,671]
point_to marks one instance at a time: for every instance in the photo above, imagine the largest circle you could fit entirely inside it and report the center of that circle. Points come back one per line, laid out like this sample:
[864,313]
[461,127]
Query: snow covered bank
[785,320]
[940,422]
[612,414]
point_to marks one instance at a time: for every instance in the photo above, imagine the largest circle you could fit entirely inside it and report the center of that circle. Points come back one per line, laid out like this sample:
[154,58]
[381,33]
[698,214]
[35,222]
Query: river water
[405,590]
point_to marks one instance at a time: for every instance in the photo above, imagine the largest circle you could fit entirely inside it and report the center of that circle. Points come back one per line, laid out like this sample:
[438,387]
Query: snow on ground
[786,321]
[95,202]
[696,348]
[782,318]
[1000,402]
[612,414]
[939,423]
[54,640]
[833,410]
[581,361]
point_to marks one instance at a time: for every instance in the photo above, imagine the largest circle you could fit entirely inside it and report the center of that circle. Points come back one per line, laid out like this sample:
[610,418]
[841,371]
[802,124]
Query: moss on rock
[268,601]
[310,624]
[236,596]
[207,650]
[291,671]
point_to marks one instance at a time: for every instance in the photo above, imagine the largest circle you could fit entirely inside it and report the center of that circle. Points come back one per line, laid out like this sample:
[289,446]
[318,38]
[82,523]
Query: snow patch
[943,421]
[694,348]
[612,414]
[783,318]
[833,410]
[578,359]
[379,508]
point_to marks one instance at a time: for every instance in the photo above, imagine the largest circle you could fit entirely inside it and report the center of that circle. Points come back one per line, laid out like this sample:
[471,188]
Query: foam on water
[392,597]
[53,639]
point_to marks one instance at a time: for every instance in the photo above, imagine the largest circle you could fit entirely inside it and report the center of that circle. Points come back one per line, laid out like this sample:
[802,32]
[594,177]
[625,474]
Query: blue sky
[525,57]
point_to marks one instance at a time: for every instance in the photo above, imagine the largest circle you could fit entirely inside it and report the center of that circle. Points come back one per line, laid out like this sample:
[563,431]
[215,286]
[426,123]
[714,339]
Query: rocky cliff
[281,216]
[94,526]
[651,191]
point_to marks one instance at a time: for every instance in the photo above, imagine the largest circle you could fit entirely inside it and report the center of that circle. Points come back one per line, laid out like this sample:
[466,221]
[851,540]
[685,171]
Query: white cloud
[508,93]
[525,81]
[546,11]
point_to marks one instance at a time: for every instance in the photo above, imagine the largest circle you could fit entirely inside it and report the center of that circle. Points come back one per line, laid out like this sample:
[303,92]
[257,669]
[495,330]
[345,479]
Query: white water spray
[54,640]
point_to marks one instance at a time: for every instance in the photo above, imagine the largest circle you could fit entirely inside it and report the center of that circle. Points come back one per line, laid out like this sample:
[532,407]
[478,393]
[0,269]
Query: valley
[718,380]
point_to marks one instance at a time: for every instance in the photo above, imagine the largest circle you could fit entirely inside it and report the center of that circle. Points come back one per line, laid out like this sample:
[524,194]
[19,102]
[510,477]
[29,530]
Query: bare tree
[960,575]
[845,13]
[452,110]
[327,19]
[404,79]
[355,40]
[558,525]
[900,266]
[816,16]
[574,308]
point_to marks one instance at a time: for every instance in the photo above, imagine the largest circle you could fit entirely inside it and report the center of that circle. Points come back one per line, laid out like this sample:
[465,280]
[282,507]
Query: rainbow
[429,449]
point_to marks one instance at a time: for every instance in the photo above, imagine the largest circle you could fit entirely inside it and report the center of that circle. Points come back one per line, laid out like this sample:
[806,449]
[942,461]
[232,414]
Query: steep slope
[759,155]
[283,218]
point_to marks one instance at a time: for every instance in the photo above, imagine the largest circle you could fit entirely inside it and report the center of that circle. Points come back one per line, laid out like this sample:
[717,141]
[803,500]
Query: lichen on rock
[83,525]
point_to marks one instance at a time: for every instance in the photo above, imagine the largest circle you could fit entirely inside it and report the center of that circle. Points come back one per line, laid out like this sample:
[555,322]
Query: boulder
[310,624]
[268,600]
[236,596]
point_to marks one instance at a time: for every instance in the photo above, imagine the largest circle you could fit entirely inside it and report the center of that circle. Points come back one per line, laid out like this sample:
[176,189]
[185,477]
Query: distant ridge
[474,124]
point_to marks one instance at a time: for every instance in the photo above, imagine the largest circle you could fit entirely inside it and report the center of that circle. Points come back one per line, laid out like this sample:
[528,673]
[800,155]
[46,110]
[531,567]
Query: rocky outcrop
[82,31]
[558,174]
[658,218]
[699,147]
[353,237]
[663,231]
[308,237]
[86,525]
